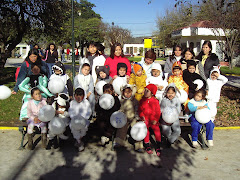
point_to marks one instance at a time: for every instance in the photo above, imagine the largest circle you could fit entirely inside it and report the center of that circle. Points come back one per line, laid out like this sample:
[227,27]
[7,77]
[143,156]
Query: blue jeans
[50,72]
[196,127]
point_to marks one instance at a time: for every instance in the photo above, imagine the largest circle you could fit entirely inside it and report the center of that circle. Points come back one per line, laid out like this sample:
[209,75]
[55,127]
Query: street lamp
[73,44]
[80,13]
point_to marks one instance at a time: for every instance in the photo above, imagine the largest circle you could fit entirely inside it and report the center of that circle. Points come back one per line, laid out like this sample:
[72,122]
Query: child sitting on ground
[79,107]
[85,81]
[139,79]
[103,74]
[215,83]
[129,106]
[33,107]
[171,131]
[199,102]
[157,79]
[103,115]
[189,76]
[149,112]
[60,71]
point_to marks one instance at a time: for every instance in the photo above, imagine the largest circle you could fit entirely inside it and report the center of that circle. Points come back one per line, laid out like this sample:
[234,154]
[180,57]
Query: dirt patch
[229,107]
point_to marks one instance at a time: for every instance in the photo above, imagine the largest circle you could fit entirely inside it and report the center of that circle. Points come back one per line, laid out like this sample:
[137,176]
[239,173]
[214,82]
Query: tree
[21,17]
[115,34]
[225,18]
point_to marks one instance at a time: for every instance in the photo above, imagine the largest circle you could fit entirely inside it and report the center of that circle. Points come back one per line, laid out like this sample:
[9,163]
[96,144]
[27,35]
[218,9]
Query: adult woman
[116,57]
[207,60]
[32,59]
[148,62]
[51,57]
[176,56]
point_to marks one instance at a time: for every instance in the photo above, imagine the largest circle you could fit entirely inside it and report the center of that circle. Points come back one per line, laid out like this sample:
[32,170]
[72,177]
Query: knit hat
[132,87]
[136,67]
[152,88]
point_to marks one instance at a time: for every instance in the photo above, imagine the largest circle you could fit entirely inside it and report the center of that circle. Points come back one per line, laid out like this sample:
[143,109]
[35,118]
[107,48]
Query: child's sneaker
[116,145]
[148,149]
[104,140]
[210,143]
[195,144]
[140,150]
[81,147]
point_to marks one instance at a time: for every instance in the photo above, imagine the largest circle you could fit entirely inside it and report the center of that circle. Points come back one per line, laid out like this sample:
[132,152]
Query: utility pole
[73,44]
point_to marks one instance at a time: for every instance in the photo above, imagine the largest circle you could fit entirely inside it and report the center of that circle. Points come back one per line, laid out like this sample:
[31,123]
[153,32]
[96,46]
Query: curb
[216,128]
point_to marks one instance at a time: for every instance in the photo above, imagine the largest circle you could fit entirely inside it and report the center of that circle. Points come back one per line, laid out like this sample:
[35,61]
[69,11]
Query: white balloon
[106,101]
[46,113]
[170,114]
[203,115]
[79,134]
[118,119]
[182,96]
[199,83]
[5,92]
[78,123]
[117,84]
[99,87]
[139,131]
[56,85]
[56,126]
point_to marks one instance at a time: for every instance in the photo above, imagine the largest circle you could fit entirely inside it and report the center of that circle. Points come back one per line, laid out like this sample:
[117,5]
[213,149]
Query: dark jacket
[211,61]
[26,71]
[189,78]
[51,58]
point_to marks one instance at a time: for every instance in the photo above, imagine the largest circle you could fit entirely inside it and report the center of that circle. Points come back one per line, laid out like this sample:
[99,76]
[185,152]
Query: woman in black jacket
[51,57]
[207,60]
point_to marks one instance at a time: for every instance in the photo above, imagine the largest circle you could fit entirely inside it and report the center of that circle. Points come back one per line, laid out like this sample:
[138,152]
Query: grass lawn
[226,70]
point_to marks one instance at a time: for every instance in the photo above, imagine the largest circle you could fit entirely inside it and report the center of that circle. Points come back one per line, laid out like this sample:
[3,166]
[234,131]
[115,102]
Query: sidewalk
[179,162]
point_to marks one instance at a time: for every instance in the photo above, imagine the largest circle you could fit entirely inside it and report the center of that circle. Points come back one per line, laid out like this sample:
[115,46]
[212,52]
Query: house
[194,35]
[133,49]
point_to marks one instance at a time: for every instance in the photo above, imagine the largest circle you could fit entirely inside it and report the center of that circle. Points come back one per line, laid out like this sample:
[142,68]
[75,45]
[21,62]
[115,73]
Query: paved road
[180,162]
[14,62]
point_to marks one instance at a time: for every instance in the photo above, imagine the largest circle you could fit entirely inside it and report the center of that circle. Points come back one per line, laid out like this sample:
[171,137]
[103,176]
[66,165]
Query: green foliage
[227,70]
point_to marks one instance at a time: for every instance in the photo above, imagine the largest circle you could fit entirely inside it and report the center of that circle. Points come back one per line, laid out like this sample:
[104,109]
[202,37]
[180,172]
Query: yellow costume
[139,81]
[178,81]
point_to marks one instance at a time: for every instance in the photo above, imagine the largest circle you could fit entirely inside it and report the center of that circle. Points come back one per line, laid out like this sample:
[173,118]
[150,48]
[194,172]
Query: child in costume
[199,102]
[139,79]
[85,81]
[103,115]
[129,106]
[157,79]
[103,74]
[60,71]
[80,106]
[149,112]
[122,71]
[215,83]
[171,131]
[61,106]
[189,76]
[34,80]
[33,107]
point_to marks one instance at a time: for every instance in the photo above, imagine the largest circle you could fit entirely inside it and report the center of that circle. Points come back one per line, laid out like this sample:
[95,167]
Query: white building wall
[133,46]
[186,32]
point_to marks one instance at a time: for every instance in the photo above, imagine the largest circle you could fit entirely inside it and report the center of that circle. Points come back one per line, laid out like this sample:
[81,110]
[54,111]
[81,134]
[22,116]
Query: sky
[136,15]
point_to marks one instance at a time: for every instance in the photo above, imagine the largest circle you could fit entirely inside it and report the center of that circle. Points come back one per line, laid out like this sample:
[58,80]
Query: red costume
[149,108]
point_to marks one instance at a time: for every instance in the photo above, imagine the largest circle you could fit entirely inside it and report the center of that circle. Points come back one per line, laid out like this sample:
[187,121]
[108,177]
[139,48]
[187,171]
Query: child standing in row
[157,79]
[199,102]
[79,107]
[103,116]
[149,112]
[129,106]
[122,71]
[189,76]
[33,107]
[103,74]
[215,83]
[138,78]
[85,81]
[171,131]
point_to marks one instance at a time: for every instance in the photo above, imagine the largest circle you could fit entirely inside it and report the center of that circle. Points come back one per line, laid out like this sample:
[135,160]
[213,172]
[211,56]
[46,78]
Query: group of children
[141,99]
